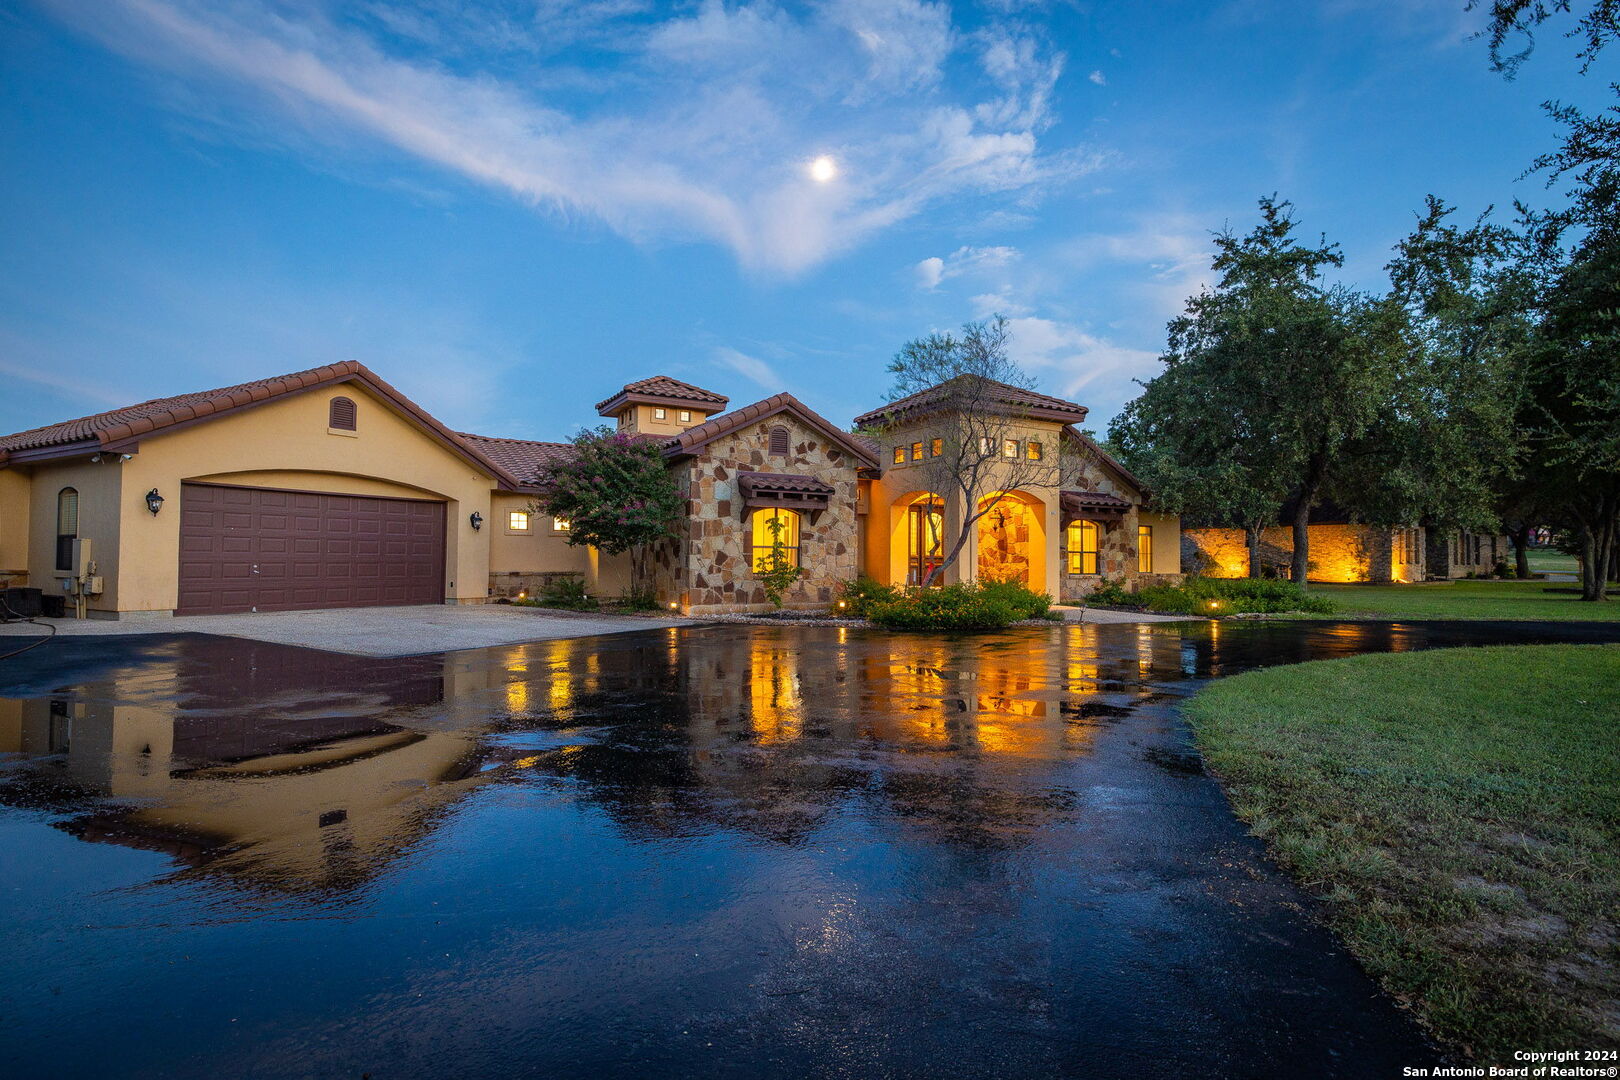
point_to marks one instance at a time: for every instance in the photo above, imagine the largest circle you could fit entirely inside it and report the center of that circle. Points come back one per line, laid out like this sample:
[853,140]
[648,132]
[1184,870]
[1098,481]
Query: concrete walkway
[379,631]
[1100,615]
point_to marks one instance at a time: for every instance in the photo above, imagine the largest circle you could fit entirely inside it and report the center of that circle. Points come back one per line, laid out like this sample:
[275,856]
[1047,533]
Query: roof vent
[341,414]
[781,441]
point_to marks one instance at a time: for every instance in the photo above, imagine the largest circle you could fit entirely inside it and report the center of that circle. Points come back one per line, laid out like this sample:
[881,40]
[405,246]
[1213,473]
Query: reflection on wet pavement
[735,850]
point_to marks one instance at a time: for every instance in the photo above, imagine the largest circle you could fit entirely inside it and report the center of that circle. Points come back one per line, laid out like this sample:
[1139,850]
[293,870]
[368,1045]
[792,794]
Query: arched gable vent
[341,414]
[781,441]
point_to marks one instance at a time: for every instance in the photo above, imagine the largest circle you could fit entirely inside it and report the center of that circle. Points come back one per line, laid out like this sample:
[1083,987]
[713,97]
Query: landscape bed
[1459,811]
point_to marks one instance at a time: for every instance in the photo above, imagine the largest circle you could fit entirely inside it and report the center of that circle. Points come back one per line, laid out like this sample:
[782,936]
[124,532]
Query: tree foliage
[1513,21]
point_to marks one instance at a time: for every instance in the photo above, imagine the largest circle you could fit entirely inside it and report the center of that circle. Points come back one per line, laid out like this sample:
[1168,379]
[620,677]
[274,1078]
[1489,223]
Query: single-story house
[329,488]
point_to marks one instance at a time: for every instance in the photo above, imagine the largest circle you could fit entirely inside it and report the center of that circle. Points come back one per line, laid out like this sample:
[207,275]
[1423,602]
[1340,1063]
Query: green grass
[1548,561]
[1459,810]
[1468,600]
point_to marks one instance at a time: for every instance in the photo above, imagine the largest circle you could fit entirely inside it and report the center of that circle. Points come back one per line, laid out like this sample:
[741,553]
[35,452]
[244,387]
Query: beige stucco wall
[640,418]
[1166,540]
[540,550]
[285,443]
[16,512]
[101,490]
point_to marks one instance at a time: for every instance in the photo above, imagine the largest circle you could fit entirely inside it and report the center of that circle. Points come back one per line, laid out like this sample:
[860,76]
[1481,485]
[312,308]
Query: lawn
[1459,810]
[1469,600]
[1549,561]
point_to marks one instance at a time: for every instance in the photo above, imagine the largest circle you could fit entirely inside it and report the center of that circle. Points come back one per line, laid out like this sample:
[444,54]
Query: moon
[823,170]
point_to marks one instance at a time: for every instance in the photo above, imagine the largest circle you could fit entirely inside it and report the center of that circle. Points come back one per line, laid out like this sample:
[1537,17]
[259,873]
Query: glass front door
[925,546]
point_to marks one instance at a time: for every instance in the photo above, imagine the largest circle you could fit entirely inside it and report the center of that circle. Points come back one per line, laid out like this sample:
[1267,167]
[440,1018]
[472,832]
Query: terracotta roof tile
[525,459]
[1044,406]
[694,438]
[662,386]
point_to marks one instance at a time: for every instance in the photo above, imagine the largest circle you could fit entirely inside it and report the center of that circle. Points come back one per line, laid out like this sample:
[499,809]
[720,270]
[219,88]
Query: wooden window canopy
[784,490]
[1093,506]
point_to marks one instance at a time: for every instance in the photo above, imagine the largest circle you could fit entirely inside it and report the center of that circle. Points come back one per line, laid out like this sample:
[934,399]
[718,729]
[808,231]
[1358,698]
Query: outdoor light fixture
[842,604]
[154,501]
[476,520]
[673,606]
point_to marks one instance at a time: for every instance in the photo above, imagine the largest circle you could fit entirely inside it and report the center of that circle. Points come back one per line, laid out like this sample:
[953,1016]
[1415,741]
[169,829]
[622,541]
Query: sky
[510,209]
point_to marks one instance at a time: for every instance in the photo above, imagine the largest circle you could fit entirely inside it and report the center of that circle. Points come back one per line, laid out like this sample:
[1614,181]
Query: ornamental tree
[616,494]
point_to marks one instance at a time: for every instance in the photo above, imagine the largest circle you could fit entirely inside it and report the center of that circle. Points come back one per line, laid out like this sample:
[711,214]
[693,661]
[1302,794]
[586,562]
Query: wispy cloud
[750,367]
[934,270]
[701,128]
[1098,78]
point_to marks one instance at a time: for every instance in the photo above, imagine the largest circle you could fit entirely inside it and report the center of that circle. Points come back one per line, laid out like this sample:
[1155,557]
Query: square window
[517,521]
[899,454]
[936,448]
[986,445]
[1009,448]
[659,414]
[916,451]
[1033,451]
[686,416]
[560,525]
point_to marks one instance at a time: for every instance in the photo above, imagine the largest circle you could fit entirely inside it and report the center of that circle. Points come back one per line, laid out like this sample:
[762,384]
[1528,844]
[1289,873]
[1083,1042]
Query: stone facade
[708,568]
[1458,553]
[1339,552]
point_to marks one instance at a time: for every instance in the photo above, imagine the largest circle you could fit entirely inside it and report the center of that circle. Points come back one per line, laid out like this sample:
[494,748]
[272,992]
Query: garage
[262,549]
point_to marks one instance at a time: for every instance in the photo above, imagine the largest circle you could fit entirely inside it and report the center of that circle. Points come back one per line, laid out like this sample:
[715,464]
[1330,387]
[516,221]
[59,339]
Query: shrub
[640,598]
[568,592]
[1027,602]
[1113,594]
[859,595]
[1226,596]
[948,607]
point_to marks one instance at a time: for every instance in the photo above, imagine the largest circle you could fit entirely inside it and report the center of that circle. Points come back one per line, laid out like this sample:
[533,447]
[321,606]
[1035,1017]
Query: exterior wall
[102,491]
[1458,553]
[286,443]
[707,570]
[640,418]
[525,562]
[16,514]
[1117,537]
[1339,552]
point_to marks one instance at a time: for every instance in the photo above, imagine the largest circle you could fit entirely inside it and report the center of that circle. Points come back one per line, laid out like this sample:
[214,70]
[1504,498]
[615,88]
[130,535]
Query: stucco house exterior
[329,488]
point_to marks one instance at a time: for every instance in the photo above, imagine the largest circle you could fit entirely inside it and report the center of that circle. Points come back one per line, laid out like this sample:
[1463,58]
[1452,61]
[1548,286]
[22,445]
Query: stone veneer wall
[708,571]
[1116,539]
[1338,552]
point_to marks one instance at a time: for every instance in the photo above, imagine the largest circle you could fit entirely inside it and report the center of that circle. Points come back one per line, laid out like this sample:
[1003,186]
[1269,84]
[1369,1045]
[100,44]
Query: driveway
[378,631]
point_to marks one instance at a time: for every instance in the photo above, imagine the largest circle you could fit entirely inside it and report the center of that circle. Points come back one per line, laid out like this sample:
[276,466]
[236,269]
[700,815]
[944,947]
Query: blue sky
[510,209]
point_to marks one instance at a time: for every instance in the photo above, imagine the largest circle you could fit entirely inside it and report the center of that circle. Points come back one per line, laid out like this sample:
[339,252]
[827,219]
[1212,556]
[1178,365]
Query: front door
[925,540]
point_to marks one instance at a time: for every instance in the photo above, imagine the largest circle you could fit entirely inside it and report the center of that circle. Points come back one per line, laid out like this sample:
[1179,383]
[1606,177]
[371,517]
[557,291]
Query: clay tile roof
[524,459]
[1075,501]
[753,481]
[1012,398]
[662,388]
[694,438]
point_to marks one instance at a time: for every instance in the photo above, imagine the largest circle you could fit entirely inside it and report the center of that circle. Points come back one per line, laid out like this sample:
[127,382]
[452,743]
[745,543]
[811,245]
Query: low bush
[1227,596]
[566,593]
[948,607]
[1027,602]
[859,595]
[639,599]
[1113,594]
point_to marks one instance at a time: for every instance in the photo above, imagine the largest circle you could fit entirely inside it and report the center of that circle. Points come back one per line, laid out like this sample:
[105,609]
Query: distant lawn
[1469,600]
[1460,812]
[1548,561]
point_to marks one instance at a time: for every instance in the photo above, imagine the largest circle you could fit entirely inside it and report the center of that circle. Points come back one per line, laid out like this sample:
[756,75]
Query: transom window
[517,521]
[763,537]
[341,414]
[1144,549]
[67,526]
[1082,547]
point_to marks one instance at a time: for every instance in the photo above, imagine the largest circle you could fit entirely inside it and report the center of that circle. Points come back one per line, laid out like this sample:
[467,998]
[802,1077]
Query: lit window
[1082,547]
[764,537]
[1144,549]
[986,445]
[659,414]
[1033,450]
[899,454]
[560,525]
[686,416]
[937,447]
[1009,448]
[916,451]
[517,521]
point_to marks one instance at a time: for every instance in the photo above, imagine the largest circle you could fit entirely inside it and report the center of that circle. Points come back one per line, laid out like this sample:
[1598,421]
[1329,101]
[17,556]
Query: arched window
[781,441]
[67,526]
[1082,547]
[341,414]
[763,537]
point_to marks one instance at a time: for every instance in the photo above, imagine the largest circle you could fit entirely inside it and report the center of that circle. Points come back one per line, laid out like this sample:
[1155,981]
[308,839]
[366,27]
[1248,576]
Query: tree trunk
[1314,472]
[1521,551]
[1253,535]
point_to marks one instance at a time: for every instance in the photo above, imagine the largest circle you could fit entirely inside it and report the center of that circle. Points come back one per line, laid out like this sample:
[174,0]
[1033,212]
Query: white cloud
[1099,78]
[933,270]
[697,129]
[749,367]
[1079,365]
[930,272]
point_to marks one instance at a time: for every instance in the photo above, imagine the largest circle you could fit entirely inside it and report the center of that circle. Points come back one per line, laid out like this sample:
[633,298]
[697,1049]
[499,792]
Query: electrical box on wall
[82,556]
[94,585]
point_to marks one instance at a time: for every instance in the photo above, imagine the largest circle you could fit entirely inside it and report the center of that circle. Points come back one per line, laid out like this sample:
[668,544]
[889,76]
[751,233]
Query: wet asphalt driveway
[729,851]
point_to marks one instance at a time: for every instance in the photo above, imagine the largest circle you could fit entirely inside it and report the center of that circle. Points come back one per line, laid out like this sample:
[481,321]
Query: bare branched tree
[969,425]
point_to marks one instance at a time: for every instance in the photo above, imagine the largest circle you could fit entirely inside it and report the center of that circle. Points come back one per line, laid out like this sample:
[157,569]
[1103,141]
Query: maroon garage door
[257,549]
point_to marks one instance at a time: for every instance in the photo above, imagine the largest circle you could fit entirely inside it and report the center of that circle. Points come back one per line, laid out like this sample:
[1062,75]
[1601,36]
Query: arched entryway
[917,539]
[1012,540]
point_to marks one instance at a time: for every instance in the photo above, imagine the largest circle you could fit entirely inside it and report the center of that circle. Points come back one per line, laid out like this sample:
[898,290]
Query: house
[329,488]
[1343,550]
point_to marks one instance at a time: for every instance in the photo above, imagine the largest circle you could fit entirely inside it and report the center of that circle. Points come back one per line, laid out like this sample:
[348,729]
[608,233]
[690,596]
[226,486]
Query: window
[67,526]
[686,416]
[340,414]
[1144,549]
[916,451]
[986,445]
[1082,547]
[659,414]
[560,525]
[517,521]
[781,441]
[1009,448]
[762,538]
[899,454]
[936,448]
[1033,451]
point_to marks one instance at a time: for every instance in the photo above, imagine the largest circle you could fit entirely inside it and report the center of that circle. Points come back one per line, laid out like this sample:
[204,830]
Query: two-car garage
[264,549]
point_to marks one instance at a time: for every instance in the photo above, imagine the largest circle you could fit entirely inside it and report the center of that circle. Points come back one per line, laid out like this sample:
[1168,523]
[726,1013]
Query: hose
[11,616]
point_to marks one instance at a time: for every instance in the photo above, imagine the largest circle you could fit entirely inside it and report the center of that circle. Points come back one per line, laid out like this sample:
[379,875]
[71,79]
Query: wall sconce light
[476,520]
[154,501]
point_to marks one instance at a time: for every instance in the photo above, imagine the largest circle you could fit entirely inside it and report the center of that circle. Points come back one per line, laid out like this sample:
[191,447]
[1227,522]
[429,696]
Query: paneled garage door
[259,549]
